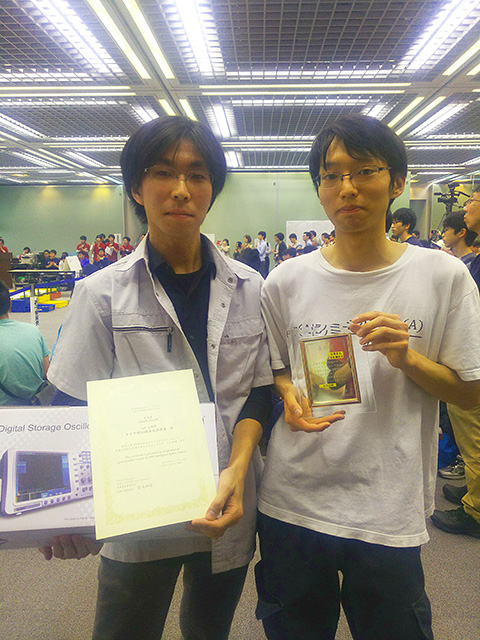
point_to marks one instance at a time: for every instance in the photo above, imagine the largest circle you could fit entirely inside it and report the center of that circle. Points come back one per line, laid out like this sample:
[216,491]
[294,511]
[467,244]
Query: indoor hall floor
[55,600]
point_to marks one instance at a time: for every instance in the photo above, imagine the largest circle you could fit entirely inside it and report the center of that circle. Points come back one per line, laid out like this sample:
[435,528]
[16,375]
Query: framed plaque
[330,373]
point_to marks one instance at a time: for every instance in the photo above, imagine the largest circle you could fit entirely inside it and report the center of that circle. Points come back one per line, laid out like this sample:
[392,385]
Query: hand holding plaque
[329,367]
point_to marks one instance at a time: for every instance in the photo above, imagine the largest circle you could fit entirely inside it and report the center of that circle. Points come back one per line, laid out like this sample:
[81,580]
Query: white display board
[300,226]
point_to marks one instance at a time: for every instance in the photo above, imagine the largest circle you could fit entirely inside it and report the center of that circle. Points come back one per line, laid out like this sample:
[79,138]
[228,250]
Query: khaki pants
[466,428]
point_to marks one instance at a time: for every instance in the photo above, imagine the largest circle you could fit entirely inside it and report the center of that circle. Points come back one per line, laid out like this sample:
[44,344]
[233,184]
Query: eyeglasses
[359,176]
[469,201]
[169,176]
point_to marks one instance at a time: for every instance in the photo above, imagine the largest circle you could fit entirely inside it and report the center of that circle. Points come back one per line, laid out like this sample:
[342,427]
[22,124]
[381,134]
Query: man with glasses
[348,491]
[465,519]
[175,303]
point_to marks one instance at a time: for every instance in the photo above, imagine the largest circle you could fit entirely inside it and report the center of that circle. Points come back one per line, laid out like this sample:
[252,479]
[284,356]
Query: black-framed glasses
[169,176]
[469,201]
[330,180]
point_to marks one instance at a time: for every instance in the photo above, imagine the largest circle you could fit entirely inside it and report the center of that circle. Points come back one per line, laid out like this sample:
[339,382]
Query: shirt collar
[156,260]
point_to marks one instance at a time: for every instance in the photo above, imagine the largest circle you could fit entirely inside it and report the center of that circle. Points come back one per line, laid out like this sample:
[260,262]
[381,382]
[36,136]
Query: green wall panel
[55,217]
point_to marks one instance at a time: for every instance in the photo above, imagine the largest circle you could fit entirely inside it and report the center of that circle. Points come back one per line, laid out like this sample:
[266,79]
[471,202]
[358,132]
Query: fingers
[72,547]
[315,425]
[375,328]
[47,552]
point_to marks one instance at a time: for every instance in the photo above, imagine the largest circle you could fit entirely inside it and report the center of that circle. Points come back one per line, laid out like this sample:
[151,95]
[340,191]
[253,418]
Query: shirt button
[230,280]
[223,305]
[213,346]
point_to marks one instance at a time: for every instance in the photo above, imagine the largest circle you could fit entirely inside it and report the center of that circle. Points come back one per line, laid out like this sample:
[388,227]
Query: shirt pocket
[143,349]
[239,347]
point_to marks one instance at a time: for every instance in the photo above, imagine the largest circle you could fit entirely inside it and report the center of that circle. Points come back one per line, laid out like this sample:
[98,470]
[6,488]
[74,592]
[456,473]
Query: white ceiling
[77,77]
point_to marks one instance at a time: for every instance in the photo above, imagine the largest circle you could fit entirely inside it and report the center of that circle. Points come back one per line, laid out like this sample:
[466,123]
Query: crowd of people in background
[455,239]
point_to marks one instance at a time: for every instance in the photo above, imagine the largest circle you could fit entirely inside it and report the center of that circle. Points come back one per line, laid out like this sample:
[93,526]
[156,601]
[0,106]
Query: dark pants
[134,598]
[299,592]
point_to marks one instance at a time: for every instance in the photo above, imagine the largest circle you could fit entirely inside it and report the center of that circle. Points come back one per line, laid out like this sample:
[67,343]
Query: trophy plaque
[330,373]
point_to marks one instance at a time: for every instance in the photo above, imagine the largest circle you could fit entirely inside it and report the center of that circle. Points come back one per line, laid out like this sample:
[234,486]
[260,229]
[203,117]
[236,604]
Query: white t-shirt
[371,476]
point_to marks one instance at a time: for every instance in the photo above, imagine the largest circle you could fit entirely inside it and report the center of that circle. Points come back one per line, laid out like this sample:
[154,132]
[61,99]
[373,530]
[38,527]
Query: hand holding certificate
[150,460]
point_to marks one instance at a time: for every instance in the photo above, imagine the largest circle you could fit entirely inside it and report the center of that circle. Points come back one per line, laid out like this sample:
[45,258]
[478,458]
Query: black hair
[83,237]
[226,240]
[290,251]
[53,251]
[248,238]
[4,298]
[309,248]
[27,249]
[147,145]
[126,238]
[308,234]
[280,236]
[363,137]
[102,236]
[325,235]
[388,220]
[293,235]
[262,233]
[456,222]
[111,235]
[238,244]
[405,216]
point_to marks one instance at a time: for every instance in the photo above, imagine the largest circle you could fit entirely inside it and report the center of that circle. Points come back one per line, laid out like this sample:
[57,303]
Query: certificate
[330,373]
[150,459]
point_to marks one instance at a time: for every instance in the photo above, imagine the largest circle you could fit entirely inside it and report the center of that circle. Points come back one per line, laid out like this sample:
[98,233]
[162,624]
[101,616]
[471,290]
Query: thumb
[292,404]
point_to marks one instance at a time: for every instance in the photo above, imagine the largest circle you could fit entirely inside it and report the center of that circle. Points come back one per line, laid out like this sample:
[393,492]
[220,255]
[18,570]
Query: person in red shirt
[111,248]
[96,246]
[3,248]
[125,247]
[83,245]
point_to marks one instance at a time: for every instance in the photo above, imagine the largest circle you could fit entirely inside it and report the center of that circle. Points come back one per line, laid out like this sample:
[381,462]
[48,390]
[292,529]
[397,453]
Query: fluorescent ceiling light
[343,85]
[222,120]
[69,24]
[18,127]
[147,115]
[79,157]
[119,38]
[420,115]
[114,180]
[32,158]
[463,59]
[234,159]
[166,107]
[62,88]
[450,25]
[41,153]
[199,26]
[70,94]
[149,38]
[187,108]
[375,111]
[473,161]
[277,167]
[298,102]
[303,92]
[406,111]
[436,120]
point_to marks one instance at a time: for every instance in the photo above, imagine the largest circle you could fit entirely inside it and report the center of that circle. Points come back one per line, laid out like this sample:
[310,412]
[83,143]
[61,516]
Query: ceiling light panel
[438,119]
[83,118]
[453,20]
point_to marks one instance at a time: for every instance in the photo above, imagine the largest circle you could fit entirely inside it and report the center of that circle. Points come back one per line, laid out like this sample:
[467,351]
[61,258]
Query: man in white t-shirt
[353,497]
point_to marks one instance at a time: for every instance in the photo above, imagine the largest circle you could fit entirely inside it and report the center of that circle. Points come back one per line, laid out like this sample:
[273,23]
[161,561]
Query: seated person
[3,248]
[83,258]
[43,259]
[102,261]
[26,256]
[24,360]
[53,261]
